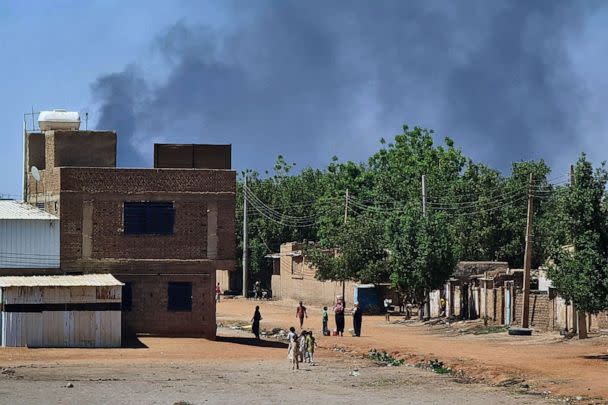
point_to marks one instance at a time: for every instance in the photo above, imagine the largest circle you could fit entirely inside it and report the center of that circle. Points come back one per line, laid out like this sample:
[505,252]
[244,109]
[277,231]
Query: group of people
[301,349]
[338,309]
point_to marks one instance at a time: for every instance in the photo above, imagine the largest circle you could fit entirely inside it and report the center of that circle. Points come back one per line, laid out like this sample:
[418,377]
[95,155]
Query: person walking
[301,313]
[218,292]
[387,311]
[257,290]
[357,319]
[302,346]
[310,347]
[339,315]
[325,316]
[255,322]
[292,348]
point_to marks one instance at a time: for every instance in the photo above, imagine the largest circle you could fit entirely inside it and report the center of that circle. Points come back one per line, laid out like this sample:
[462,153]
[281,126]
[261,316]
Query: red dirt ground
[545,361]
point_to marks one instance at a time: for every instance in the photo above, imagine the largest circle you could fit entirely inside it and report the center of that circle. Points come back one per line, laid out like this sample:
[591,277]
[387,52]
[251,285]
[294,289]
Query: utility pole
[346,207]
[427,292]
[423,196]
[525,313]
[25,159]
[245,237]
[345,219]
[579,321]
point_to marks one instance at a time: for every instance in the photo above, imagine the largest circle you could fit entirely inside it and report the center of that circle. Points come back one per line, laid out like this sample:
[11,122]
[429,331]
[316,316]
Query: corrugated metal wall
[26,243]
[61,328]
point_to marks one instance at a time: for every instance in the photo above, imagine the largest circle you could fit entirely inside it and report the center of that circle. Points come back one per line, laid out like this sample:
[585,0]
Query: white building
[29,237]
[60,311]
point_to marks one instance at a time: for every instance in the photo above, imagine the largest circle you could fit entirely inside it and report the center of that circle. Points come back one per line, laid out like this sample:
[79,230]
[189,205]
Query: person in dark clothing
[255,322]
[357,319]
[339,311]
[301,313]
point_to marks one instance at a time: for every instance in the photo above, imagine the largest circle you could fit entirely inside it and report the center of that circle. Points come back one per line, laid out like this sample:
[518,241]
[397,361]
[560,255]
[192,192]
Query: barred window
[151,217]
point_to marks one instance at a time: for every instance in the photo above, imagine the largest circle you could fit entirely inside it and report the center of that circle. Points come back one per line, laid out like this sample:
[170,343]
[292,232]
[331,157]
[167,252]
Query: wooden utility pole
[245,270]
[346,206]
[525,313]
[345,219]
[427,292]
[579,321]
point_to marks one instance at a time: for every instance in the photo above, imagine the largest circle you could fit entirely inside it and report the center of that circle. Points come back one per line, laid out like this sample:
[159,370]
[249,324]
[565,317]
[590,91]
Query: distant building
[294,278]
[165,232]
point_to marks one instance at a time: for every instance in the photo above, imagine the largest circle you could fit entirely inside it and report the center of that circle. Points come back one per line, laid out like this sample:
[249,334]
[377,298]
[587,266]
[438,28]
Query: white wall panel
[26,243]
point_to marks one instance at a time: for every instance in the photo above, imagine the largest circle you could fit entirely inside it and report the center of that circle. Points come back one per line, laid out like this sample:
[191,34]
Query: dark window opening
[40,205]
[154,218]
[127,297]
[179,297]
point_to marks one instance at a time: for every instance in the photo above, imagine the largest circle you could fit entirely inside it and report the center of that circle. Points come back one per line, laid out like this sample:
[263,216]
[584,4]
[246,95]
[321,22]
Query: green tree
[356,251]
[580,273]
[421,253]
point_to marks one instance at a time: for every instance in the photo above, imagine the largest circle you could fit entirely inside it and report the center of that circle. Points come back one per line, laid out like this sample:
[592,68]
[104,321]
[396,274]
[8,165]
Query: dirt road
[545,361]
[236,369]
[230,371]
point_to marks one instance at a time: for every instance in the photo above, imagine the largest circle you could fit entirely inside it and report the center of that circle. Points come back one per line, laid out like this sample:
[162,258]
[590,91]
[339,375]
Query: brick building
[294,278]
[163,231]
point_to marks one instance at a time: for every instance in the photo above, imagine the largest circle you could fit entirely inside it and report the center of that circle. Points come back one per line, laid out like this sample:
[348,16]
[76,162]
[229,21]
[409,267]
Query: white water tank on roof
[59,119]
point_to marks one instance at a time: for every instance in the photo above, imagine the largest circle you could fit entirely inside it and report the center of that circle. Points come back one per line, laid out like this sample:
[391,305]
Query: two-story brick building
[162,231]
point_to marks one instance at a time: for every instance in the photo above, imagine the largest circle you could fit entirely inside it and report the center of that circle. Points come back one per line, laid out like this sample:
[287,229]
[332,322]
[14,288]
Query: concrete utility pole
[427,293]
[245,270]
[525,313]
[345,219]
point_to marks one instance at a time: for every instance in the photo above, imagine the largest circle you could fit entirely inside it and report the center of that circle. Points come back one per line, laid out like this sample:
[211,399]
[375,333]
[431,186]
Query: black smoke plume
[314,79]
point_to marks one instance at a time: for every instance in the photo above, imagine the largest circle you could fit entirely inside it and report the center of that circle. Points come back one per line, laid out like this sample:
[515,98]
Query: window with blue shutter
[150,217]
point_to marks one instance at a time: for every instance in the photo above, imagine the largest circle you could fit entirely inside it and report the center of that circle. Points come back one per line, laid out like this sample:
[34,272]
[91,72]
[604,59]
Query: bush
[384,357]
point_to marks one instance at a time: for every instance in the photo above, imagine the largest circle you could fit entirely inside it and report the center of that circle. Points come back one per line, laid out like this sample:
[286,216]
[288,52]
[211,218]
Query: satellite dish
[35,173]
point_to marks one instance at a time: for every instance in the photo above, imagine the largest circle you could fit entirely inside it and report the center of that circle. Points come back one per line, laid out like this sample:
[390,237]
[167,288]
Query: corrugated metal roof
[86,280]
[11,209]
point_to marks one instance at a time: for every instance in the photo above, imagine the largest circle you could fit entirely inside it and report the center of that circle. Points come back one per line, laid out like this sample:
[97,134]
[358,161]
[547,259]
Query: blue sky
[310,80]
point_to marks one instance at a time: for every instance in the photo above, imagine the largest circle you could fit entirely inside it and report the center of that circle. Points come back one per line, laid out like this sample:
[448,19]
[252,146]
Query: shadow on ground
[133,342]
[603,357]
[252,342]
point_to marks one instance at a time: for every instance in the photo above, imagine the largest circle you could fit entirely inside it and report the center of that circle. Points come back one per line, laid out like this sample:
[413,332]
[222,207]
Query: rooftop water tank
[59,119]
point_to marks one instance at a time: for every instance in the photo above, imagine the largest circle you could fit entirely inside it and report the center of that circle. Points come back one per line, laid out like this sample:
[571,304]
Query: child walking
[292,353]
[310,347]
[302,346]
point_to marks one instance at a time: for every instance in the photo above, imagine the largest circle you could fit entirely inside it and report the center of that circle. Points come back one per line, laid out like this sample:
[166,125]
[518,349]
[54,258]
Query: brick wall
[149,313]
[189,241]
[92,239]
[132,181]
[35,151]
[541,311]
[80,148]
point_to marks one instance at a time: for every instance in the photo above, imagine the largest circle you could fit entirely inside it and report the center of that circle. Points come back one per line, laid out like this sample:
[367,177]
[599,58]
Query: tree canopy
[473,212]
[580,271]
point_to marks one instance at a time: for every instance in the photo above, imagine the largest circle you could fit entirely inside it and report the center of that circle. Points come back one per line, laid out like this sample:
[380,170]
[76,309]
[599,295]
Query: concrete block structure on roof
[164,232]
[196,156]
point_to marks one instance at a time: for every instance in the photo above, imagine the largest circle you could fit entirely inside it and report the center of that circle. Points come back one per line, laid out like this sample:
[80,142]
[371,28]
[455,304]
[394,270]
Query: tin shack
[60,311]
